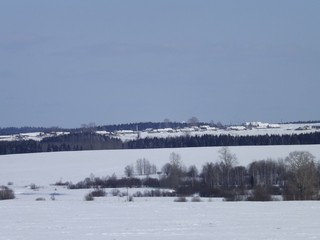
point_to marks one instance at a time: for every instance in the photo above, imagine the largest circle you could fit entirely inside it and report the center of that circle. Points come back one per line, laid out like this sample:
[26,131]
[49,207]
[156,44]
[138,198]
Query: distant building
[260,125]
[236,128]
[207,128]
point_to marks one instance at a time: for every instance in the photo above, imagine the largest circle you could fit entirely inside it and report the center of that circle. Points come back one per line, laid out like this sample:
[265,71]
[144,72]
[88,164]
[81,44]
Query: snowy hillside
[249,129]
[48,168]
[263,129]
[112,217]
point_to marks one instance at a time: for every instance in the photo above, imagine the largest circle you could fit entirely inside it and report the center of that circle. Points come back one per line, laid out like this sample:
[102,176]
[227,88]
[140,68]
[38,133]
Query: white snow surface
[70,217]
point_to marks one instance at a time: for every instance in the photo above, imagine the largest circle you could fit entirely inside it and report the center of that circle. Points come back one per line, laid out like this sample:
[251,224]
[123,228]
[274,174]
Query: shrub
[138,194]
[260,193]
[52,197]
[233,195]
[99,193]
[40,199]
[130,198]
[181,199]
[89,197]
[115,192]
[6,193]
[196,199]
[33,186]
[62,184]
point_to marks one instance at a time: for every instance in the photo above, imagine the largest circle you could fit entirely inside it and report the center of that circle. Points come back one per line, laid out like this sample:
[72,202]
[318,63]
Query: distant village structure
[248,128]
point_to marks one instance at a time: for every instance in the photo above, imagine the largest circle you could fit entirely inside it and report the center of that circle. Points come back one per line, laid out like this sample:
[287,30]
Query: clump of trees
[143,167]
[297,177]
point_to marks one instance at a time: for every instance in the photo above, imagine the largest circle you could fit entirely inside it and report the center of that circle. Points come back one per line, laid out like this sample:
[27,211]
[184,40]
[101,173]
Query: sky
[71,62]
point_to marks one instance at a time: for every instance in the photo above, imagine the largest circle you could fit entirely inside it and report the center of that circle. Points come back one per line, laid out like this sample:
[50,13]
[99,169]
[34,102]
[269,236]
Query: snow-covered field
[70,217]
[48,168]
[156,218]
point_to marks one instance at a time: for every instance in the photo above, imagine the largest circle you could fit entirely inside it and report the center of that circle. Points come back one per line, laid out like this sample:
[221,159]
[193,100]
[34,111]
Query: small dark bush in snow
[115,192]
[6,193]
[138,194]
[40,199]
[99,193]
[260,193]
[89,197]
[181,199]
[33,186]
[196,199]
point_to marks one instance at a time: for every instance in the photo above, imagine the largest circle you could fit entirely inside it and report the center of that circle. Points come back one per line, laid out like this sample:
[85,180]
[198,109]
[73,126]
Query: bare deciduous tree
[193,121]
[227,158]
[144,167]
[302,177]
[192,174]
[228,161]
[174,170]
[129,171]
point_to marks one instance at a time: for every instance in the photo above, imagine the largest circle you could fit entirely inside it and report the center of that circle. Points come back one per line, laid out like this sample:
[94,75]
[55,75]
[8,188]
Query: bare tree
[208,172]
[174,171]
[227,158]
[175,158]
[193,121]
[153,169]
[228,161]
[302,177]
[267,172]
[144,167]
[192,174]
[129,171]
[166,122]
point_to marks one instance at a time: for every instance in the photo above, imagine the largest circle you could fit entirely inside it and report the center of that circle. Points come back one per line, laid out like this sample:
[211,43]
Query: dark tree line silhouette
[93,141]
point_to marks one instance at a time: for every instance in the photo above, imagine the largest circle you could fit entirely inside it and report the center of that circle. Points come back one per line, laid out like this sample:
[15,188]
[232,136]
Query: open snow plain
[70,217]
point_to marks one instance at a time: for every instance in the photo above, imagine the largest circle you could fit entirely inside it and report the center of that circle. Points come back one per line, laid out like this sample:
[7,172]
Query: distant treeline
[91,141]
[92,127]
[70,142]
[125,126]
[224,140]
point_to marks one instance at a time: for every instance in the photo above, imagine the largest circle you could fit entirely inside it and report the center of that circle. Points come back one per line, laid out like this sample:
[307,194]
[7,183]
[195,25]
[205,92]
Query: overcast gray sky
[68,62]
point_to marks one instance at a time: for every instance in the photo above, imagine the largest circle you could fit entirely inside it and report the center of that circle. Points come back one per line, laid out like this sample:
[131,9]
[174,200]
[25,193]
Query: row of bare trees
[297,177]
[142,167]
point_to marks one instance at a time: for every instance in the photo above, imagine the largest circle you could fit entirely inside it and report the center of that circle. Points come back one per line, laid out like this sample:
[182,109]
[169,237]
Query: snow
[70,217]
[156,218]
